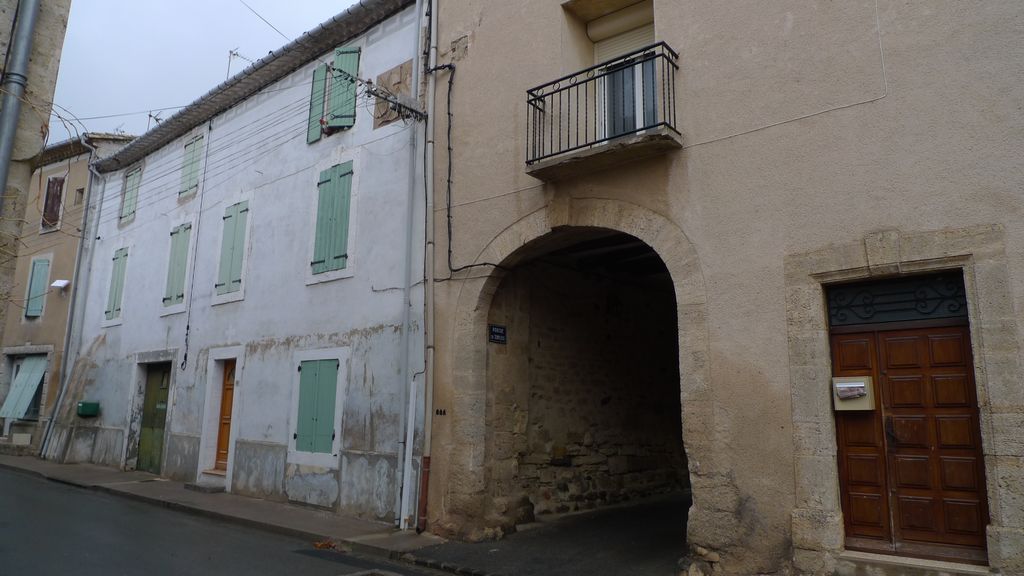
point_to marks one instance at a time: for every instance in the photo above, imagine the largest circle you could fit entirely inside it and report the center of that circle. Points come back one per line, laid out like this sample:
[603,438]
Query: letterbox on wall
[88,409]
[853,393]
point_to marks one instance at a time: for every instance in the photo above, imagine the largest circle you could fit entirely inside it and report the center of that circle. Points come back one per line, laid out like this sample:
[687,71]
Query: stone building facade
[734,175]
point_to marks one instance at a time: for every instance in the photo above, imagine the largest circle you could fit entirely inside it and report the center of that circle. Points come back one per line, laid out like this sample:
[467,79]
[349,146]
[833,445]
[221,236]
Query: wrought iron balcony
[615,111]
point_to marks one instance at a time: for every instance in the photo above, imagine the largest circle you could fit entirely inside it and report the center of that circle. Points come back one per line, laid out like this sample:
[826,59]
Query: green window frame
[130,198]
[190,165]
[38,279]
[330,246]
[232,249]
[116,293]
[174,292]
[318,393]
[332,101]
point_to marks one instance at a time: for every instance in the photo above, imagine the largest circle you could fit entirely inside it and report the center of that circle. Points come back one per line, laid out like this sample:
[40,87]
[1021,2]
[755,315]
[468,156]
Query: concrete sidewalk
[350,534]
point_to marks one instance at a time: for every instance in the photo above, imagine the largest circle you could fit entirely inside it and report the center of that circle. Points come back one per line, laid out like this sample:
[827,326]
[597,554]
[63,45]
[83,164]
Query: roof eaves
[354,21]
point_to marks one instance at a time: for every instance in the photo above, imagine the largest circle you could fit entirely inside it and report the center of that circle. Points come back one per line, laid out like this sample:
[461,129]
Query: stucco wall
[806,124]
[257,152]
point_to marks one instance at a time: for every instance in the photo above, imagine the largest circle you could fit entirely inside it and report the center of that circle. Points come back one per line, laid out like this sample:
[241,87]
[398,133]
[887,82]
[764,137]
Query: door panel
[929,436]
[227,397]
[154,418]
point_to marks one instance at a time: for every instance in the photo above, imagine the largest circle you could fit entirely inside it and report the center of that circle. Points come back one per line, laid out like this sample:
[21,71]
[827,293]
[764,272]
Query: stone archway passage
[583,380]
[459,496]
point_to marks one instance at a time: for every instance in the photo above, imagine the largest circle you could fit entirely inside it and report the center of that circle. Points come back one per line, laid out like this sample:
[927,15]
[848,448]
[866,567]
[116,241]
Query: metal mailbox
[88,409]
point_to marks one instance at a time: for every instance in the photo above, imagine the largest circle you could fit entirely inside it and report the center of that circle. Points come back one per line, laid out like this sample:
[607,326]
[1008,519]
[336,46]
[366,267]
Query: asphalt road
[52,529]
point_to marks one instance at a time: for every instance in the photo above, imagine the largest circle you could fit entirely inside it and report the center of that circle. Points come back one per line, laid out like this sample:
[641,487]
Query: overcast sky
[124,56]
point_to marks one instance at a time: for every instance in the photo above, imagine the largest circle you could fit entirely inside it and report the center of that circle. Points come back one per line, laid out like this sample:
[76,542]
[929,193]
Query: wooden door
[912,470]
[154,418]
[227,397]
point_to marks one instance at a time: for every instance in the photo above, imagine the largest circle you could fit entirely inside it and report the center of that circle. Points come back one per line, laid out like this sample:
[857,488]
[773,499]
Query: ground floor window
[318,387]
[25,396]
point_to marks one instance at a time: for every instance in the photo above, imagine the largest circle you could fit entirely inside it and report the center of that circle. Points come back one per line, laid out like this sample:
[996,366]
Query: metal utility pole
[14,81]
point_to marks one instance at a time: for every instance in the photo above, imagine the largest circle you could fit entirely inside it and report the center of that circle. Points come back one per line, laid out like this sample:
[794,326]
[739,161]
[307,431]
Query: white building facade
[253,314]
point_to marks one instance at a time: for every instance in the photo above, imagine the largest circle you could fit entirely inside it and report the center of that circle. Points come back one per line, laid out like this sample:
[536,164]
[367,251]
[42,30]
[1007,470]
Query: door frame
[910,549]
[980,253]
[211,412]
[137,396]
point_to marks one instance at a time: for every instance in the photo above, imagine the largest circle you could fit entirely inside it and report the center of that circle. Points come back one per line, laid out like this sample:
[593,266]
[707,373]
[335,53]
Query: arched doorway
[583,405]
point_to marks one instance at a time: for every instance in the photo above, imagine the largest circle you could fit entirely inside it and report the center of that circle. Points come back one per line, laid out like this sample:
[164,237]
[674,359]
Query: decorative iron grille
[623,96]
[898,299]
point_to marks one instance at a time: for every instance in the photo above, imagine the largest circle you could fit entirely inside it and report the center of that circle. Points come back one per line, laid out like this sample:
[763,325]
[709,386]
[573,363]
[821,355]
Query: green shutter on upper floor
[232,248]
[132,180]
[330,247]
[174,292]
[342,111]
[190,165]
[37,287]
[316,104]
[116,292]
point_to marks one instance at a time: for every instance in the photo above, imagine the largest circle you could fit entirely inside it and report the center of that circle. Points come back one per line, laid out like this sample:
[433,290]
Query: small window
[52,202]
[25,395]
[318,387]
[38,281]
[332,103]
[330,248]
[116,293]
[79,196]
[175,290]
[232,249]
[190,165]
[130,198]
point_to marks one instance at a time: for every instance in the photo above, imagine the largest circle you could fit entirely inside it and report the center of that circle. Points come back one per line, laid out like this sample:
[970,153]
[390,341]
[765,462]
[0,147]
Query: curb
[359,548]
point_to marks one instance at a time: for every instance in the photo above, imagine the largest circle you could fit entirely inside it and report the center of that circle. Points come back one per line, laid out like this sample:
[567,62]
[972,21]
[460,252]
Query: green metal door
[154,418]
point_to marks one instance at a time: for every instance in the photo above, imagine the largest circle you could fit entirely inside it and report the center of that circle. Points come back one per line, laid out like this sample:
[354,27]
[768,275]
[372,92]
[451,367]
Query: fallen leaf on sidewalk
[324,545]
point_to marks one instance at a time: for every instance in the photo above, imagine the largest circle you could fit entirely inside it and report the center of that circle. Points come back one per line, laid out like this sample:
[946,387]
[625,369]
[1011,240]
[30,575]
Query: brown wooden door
[227,397]
[912,473]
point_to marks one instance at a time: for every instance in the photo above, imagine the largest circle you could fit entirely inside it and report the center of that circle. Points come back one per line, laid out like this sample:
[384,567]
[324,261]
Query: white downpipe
[406,486]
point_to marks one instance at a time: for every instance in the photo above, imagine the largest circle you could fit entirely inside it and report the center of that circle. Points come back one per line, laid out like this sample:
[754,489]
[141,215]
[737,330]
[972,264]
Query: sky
[133,56]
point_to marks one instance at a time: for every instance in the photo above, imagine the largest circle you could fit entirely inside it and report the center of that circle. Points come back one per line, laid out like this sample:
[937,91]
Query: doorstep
[850,563]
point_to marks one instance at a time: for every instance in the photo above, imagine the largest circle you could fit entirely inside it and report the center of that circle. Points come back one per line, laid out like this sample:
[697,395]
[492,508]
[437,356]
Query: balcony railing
[628,95]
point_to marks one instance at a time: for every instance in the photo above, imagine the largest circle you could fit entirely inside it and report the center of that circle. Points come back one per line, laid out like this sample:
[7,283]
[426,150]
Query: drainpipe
[87,236]
[14,82]
[428,297]
[404,488]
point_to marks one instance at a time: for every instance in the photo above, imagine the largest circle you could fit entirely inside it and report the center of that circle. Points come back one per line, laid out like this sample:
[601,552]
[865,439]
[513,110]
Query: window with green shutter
[318,389]
[232,249]
[330,247]
[190,165]
[38,279]
[132,180]
[175,290]
[332,102]
[117,284]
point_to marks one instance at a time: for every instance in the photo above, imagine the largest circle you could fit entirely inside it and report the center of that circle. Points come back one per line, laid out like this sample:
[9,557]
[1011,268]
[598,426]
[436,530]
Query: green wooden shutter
[117,284]
[305,430]
[342,112]
[321,244]
[190,165]
[342,185]
[24,387]
[327,390]
[174,292]
[38,278]
[238,246]
[316,104]
[227,247]
[131,193]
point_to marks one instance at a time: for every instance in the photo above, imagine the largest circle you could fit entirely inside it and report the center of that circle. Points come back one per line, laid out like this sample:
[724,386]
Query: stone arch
[465,490]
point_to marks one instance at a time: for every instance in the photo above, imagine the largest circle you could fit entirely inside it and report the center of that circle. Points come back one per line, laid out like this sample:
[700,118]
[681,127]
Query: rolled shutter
[342,112]
[37,288]
[316,104]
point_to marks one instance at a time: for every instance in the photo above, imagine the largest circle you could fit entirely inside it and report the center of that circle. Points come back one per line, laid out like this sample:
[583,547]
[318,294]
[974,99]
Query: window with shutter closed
[52,201]
[116,292]
[318,388]
[176,267]
[330,248]
[190,165]
[132,180]
[39,277]
[332,100]
[232,249]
